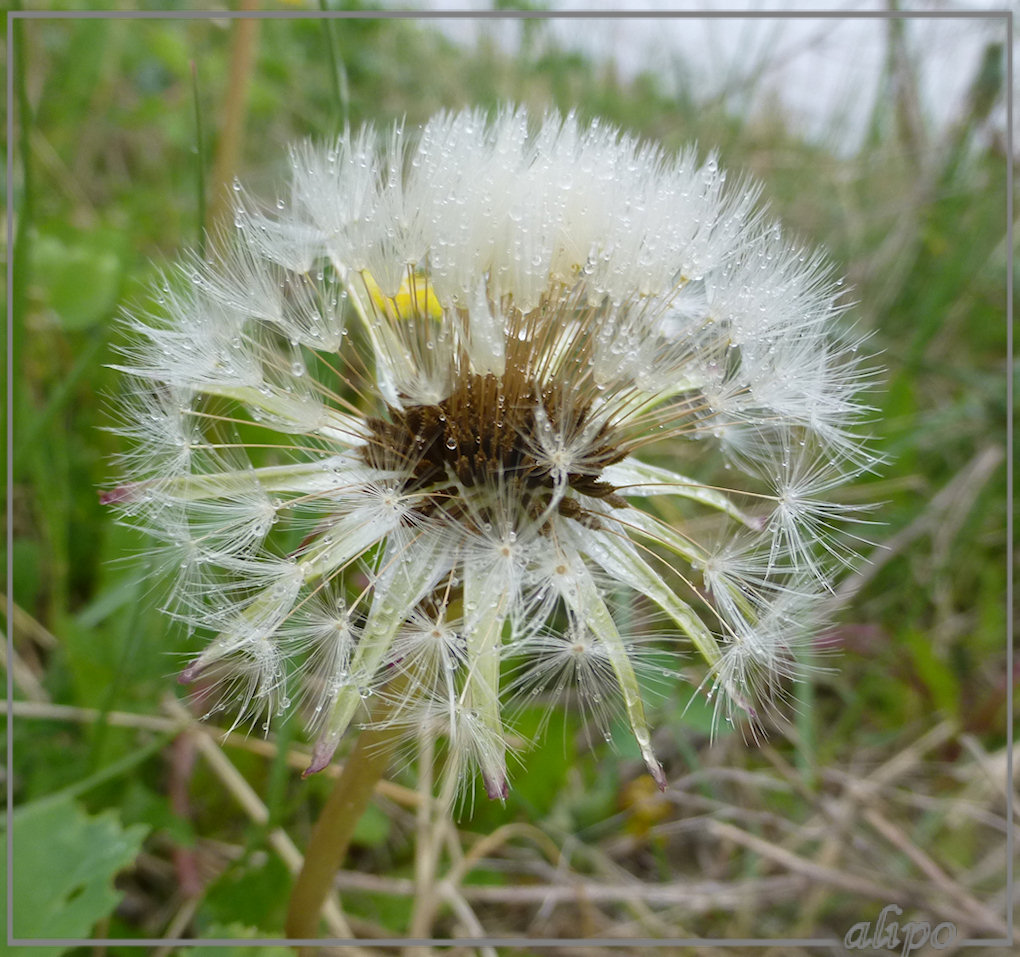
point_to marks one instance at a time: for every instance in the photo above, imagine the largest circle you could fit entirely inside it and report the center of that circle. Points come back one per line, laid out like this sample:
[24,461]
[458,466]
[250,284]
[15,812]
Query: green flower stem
[332,833]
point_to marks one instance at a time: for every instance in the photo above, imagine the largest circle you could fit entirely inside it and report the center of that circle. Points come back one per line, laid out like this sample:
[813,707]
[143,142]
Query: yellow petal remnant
[414,300]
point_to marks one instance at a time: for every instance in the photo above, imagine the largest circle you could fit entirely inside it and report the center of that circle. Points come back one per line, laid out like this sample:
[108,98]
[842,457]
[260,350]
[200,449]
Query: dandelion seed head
[432,413]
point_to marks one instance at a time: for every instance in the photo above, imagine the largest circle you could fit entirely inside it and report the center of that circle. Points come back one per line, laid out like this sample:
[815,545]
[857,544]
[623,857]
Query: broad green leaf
[64,865]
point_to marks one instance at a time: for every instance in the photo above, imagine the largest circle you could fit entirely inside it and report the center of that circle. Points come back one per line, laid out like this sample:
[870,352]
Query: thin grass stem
[337,72]
[199,163]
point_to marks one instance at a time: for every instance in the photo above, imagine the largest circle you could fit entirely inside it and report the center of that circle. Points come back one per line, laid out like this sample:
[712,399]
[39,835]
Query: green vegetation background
[118,125]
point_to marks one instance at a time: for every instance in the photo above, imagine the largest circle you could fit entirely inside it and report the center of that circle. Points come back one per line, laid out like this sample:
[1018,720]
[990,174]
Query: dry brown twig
[296,758]
[24,677]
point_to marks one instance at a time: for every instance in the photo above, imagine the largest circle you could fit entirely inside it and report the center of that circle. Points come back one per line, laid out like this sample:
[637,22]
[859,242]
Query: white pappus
[416,432]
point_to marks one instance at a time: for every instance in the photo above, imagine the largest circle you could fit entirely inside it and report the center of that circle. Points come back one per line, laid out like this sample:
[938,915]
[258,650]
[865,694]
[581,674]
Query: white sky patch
[824,72]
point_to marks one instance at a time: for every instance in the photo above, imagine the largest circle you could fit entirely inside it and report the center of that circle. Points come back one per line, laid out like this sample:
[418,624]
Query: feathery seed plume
[409,435]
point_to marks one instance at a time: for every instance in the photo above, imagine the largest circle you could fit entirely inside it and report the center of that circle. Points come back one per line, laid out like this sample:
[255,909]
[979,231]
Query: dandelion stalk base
[331,836]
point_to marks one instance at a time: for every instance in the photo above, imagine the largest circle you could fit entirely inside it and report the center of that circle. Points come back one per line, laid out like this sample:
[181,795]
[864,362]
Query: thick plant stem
[331,835]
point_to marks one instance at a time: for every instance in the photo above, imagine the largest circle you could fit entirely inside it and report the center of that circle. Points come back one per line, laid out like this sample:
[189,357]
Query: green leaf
[698,714]
[547,763]
[140,804]
[937,676]
[248,896]
[373,827]
[64,865]
[80,278]
[239,932]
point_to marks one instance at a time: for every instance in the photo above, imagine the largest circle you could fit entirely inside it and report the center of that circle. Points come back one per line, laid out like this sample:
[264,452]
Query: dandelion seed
[415,423]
